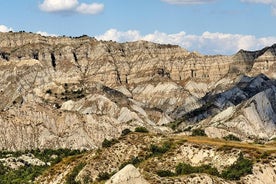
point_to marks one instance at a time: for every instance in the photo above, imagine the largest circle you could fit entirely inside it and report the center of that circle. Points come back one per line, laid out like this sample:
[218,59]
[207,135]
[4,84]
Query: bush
[103,176]
[108,143]
[141,129]
[264,155]
[156,150]
[183,168]
[164,173]
[231,137]
[208,169]
[70,179]
[240,168]
[49,91]
[3,169]
[174,125]
[198,132]
[125,132]
[134,161]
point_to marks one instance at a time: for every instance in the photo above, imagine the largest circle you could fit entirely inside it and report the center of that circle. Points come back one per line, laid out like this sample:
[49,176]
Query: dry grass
[223,143]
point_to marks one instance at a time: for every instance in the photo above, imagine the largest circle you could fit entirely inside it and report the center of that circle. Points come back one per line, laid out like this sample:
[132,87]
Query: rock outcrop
[246,108]
[129,174]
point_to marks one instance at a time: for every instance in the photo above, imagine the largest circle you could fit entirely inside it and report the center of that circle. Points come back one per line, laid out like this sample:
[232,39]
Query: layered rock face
[74,92]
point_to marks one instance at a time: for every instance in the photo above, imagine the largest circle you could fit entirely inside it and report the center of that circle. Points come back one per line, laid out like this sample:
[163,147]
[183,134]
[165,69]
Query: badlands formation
[63,92]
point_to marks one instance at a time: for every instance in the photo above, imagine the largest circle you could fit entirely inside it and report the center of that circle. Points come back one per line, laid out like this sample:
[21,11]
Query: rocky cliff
[54,89]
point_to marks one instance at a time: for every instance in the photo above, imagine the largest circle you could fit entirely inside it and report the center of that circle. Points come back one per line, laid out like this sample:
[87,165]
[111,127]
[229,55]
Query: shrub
[156,150]
[164,173]
[103,176]
[173,125]
[125,132]
[133,161]
[264,155]
[49,91]
[240,168]
[70,179]
[87,179]
[231,137]
[187,129]
[198,132]
[208,169]
[141,129]
[183,168]
[3,169]
[108,143]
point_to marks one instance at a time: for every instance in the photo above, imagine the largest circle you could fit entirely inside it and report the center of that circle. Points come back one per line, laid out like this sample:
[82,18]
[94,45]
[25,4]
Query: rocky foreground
[61,92]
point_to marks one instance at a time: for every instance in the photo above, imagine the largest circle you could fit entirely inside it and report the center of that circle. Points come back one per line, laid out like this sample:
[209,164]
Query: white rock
[128,175]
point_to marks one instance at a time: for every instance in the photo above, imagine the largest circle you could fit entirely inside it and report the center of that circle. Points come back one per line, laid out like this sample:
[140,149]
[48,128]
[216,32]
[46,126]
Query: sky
[206,26]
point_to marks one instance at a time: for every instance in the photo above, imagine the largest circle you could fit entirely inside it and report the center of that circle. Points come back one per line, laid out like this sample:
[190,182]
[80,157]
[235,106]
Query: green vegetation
[264,155]
[3,169]
[183,168]
[28,172]
[240,168]
[125,132]
[25,174]
[173,125]
[141,129]
[108,143]
[187,129]
[134,161]
[70,179]
[157,150]
[231,137]
[103,176]
[165,173]
[49,91]
[198,132]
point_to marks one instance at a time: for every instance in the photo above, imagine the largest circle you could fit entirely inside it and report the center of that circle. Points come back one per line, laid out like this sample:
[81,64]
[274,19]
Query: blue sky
[206,26]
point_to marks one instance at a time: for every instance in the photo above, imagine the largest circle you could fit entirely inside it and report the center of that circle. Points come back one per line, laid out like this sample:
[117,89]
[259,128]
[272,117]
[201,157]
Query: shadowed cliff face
[74,92]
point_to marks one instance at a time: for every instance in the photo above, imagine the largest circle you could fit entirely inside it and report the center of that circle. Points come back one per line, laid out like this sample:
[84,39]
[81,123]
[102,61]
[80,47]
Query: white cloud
[43,33]
[4,28]
[188,1]
[71,6]
[206,43]
[272,3]
[260,1]
[93,8]
[58,5]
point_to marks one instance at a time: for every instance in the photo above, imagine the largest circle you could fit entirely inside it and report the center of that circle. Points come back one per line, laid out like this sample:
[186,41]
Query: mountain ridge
[86,81]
